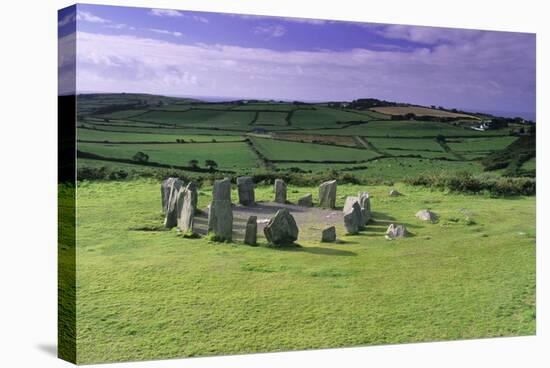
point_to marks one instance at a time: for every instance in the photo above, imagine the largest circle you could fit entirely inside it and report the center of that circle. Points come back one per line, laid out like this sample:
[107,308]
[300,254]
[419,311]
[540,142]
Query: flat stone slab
[310,220]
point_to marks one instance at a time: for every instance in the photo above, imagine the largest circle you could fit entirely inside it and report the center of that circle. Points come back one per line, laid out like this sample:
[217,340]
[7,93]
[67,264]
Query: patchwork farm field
[470,275]
[272,135]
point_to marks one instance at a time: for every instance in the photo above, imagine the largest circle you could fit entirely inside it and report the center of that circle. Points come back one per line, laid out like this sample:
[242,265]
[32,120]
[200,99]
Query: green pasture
[97,135]
[180,154]
[209,118]
[271,118]
[143,293]
[296,151]
[480,144]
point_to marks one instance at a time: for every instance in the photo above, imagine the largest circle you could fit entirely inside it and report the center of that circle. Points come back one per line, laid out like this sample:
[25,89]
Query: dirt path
[310,220]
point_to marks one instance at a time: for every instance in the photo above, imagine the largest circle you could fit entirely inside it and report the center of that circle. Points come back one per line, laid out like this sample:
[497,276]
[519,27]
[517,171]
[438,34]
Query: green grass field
[100,136]
[210,118]
[295,151]
[151,294]
[180,154]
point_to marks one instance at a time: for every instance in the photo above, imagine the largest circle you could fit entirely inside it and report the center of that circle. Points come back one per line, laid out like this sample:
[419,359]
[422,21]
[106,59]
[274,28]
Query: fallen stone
[306,201]
[165,188]
[221,190]
[280,191]
[396,231]
[394,193]
[281,229]
[327,194]
[353,218]
[245,187]
[251,232]
[426,215]
[328,235]
[220,220]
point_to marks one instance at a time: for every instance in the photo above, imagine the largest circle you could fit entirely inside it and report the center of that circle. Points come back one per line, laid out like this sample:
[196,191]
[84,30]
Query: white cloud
[317,22]
[275,30]
[89,17]
[166,32]
[448,75]
[428,35]
[69,18]
[120,26]
[165,13]
[198,18]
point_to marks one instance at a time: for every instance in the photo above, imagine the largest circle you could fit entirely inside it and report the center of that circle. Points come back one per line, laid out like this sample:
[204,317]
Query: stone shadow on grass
[314,250]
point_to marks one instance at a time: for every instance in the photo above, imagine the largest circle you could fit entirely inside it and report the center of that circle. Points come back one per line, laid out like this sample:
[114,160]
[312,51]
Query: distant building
[485,124]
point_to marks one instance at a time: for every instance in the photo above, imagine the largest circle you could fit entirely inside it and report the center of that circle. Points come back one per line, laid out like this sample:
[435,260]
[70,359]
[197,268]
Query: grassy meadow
[145,293]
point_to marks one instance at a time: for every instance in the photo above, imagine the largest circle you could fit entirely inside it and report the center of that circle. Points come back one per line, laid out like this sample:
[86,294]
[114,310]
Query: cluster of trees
[210,164]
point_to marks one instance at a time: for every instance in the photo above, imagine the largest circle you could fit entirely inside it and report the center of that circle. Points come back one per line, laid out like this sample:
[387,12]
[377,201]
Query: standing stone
[281,229]
[165,188]
[220,219]
[364,202]
[352,218]
[245,187]
[251,232]
[186,212]
[396,231]
[171,217]
[221,190]
[280,191]
[426,215]
[328,235]
[327,194]
[306,201]
[348,207]
[192,186]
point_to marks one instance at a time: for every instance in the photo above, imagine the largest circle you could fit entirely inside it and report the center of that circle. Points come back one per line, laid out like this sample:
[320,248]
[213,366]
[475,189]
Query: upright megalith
[245,187]
[194,196]
[327,194]
[364,202]
[165,188]
[220,214]
[251,231]
[281,229]
[171,215]
[280,191]
[328,235]
[306,201]
[221,190]
[352,216]
[187,201]
[220,220]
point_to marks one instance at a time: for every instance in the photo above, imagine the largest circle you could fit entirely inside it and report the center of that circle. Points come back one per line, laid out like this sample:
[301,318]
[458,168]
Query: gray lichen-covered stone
[251,231]
[192,187]
[394,193]
[187,200]
[353,217]
[327,194]
[165,188]
[280,191]
[221,190]
[396,231]
[171,215]
[364,202]
[306,201]
[245,187]
[281,229]
[220,219]
[328,235]
[426,215]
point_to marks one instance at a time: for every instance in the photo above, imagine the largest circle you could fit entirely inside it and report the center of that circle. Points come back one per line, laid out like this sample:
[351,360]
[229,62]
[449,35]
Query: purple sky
[123,49]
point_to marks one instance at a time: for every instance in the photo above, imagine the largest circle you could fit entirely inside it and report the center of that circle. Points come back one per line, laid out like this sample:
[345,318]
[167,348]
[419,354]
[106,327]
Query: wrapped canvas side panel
[66,184]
